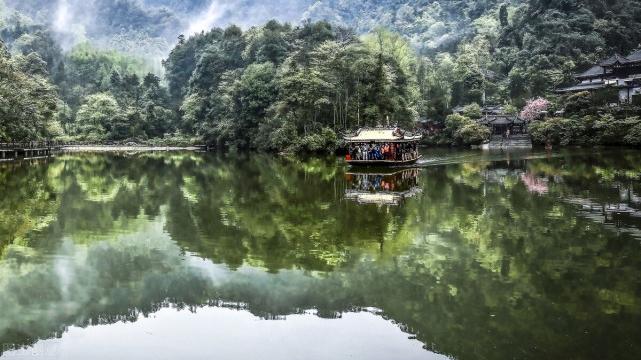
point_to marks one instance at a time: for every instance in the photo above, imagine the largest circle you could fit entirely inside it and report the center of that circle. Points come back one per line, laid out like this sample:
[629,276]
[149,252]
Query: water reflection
[481,263]
[382,187]
[224,330]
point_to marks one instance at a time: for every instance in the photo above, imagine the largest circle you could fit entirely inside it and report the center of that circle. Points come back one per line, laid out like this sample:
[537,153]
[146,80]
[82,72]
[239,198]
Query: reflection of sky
[220,333]
[74,274]
[71,290]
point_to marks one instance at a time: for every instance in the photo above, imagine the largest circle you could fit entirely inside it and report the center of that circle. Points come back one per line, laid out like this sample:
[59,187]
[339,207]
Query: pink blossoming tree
[534,108]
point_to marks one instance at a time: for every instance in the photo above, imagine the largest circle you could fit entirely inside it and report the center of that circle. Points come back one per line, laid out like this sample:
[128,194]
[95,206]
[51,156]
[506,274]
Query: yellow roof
[382,135]
[382,197]
[374,198]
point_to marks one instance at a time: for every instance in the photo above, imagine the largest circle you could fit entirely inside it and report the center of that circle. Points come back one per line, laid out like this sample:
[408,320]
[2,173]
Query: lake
[469,255]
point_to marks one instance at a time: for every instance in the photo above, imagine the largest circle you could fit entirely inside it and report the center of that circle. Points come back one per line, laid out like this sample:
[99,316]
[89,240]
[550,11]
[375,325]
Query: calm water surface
[469,256]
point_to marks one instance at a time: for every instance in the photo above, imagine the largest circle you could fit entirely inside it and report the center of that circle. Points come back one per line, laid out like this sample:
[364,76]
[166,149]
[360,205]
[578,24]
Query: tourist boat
[382,147]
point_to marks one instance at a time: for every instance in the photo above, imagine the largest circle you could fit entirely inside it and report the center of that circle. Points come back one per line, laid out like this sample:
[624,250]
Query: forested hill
[429,25]
[503,50]
[580,30]
[434,26]
[266,84]
[320,78]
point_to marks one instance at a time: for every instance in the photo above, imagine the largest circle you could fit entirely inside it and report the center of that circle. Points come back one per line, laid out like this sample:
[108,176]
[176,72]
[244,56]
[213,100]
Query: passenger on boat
[385,151]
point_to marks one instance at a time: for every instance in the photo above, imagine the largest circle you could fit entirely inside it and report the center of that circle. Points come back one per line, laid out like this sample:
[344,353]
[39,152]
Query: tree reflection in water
[476,265]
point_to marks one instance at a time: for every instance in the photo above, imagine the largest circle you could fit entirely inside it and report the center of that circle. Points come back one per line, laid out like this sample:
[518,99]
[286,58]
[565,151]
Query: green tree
[27,100]
[98,116]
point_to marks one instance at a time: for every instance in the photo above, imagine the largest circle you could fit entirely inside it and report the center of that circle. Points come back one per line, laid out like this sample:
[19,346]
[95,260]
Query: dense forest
[278,86]
[93,70]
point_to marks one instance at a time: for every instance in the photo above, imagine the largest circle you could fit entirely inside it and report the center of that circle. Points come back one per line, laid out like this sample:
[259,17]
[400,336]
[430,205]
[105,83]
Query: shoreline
[133,148]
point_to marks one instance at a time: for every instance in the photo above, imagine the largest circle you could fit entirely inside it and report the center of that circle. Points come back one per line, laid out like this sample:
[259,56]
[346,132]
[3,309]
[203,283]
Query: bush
[605,96]
[587,130]
[510,109]
[319,143]
[177,140]
[472,134]
[96,116]
[455,121]
[282,137]
[472,111]
[558,131]
[578,103]
[461,130]
[609,130]
[54,129]
[634,135]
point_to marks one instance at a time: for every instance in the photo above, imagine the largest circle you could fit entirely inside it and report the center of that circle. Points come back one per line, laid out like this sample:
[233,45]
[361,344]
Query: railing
[50,145]
[30,145]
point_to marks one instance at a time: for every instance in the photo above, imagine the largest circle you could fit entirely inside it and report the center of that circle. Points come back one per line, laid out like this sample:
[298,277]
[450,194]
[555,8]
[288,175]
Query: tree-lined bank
[282,87]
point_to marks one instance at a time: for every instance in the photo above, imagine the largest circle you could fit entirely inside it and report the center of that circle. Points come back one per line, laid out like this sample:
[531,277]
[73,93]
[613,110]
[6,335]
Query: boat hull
[383,162]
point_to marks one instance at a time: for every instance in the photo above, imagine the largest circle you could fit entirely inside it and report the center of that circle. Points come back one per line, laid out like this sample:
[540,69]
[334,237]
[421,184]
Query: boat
[382,147]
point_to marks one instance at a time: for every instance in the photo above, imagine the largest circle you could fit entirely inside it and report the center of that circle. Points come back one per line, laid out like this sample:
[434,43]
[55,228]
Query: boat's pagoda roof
[381,135]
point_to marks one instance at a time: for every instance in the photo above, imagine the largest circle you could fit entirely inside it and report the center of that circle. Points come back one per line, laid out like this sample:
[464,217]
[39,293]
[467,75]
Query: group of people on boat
[384,151]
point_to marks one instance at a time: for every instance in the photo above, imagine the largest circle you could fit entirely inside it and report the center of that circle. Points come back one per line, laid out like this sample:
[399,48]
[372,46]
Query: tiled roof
[582,87]
[614,59]
[594,71]
[635,56]
[500,120]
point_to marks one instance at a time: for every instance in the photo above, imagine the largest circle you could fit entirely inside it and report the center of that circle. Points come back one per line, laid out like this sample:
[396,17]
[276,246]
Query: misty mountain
[146,27]
[151,26]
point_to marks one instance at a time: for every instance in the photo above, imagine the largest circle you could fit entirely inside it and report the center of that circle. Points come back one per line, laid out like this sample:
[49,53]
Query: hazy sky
[150,27]
[246,13]
[74,14]
[76,18]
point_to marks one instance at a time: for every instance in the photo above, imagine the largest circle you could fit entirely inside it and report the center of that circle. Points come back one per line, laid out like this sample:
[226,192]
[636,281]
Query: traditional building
[622,73]
[498,121]
[499,124]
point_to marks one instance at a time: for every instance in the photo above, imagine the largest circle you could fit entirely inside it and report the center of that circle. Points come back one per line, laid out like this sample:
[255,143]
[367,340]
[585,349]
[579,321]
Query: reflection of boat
[383,187]
[384,162]
[382,147]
